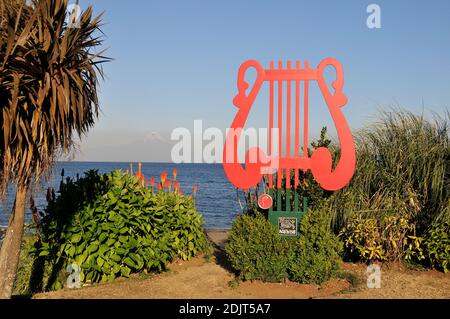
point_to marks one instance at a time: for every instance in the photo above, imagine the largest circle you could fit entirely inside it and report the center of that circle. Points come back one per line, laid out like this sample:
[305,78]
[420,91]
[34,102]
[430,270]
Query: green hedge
[257,252]
[315,256]
[255,249]
[111,225]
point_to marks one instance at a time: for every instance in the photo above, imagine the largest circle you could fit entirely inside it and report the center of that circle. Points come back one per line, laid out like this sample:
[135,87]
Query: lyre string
[270,175]
[305,117]
[288,154]
[297,123]
[280,125]
[288,127]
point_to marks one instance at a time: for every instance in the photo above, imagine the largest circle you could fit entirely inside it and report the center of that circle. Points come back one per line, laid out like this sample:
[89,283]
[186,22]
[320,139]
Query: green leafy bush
[362,239]
[437,245]
[315,254]
[386,238]
[26,265]
[112,226]
[255,249]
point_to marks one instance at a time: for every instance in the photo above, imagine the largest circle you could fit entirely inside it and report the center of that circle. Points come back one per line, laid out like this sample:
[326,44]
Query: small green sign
[287,226]
[285,217]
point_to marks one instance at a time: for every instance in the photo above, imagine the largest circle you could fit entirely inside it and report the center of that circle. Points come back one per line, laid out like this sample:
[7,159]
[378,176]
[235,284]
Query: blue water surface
[216,197]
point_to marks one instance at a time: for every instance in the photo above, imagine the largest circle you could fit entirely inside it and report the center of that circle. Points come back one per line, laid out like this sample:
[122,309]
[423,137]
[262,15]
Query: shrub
[111,225]
[402,172]
[255,249]
[314,256]
[377,239]
[437,245]
[362,239]
[25,268]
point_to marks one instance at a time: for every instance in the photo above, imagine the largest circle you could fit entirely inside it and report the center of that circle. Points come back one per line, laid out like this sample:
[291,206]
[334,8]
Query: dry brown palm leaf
[48,84]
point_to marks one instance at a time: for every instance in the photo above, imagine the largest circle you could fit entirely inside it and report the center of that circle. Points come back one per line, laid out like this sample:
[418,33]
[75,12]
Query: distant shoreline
[135,162]
[216,198]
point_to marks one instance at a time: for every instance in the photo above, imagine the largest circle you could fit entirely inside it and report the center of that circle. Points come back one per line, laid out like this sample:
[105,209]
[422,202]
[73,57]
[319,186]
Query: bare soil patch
[203,278]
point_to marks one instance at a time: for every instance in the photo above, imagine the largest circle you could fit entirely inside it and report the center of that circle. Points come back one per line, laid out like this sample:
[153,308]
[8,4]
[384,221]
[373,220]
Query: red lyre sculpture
[320,162]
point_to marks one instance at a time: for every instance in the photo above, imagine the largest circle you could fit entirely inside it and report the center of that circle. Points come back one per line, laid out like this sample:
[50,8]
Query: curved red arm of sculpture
[320,163]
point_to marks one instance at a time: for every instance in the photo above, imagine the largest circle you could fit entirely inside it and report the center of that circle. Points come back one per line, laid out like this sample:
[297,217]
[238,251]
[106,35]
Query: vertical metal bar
[295,201]
[305,121]
[288,200]
[280,125]
[279,203]
[270,175]
[297,124]
[236,147]
[271,195]
[288,128]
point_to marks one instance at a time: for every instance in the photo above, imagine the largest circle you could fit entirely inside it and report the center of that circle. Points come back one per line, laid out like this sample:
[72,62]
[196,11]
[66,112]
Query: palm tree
[48,96]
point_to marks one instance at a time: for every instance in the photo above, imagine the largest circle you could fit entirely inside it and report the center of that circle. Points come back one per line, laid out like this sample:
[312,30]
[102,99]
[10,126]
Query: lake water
[216,197]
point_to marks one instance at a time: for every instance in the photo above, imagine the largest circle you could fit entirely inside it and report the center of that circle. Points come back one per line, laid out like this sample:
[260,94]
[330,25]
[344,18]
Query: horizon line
[127,162]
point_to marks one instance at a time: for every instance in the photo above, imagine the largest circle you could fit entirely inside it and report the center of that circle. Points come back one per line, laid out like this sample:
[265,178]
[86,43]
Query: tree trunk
[10,250]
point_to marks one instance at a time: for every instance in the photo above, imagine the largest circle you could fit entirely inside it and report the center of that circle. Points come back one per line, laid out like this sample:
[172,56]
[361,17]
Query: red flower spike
[153,181]
[168,183]
[174,173]
[163,177]
[195,188]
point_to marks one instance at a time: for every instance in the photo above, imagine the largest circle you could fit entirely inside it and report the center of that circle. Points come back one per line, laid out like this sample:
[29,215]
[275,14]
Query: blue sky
[177,61]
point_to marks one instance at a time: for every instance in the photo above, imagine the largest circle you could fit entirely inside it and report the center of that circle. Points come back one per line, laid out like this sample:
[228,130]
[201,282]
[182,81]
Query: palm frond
[49,74]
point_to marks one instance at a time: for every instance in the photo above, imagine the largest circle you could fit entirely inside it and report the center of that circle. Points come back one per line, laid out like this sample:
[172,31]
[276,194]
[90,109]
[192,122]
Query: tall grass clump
[402,178]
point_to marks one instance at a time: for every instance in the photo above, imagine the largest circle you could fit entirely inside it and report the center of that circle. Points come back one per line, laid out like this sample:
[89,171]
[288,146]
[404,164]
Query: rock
[2,233]
[218,236]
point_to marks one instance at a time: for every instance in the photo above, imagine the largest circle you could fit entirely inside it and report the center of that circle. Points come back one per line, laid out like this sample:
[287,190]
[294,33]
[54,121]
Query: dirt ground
[203,278]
